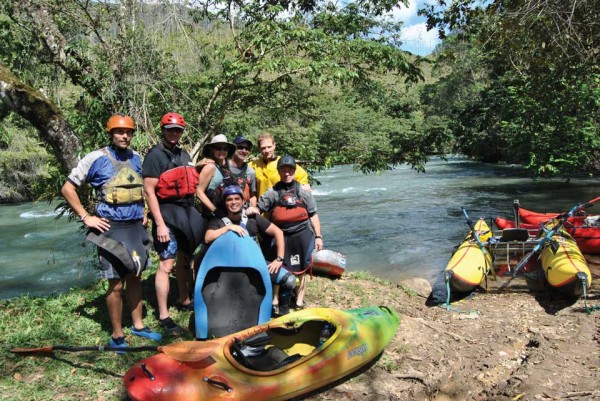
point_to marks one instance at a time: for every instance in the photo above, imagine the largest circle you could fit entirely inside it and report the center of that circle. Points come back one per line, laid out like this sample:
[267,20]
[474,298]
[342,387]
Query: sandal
[275,310]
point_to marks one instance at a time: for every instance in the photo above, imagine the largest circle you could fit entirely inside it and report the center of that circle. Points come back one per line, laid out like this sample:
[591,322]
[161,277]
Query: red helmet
[119,121]
[172,120]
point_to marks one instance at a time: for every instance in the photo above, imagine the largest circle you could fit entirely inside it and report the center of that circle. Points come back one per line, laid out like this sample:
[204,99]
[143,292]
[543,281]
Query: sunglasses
[221,148]
[243,147]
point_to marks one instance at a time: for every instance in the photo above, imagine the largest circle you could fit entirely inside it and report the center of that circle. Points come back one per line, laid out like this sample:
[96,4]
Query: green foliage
[517,87]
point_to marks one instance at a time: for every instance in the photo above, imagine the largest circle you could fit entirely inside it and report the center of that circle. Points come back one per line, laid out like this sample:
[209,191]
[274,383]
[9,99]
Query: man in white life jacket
[117,226]
[294,210]
[170,181]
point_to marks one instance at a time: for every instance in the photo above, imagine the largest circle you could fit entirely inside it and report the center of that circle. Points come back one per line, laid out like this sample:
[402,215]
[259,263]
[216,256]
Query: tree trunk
[34,107]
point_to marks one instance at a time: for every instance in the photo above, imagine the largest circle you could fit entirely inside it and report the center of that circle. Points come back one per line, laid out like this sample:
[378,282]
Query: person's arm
[69,192]
[162,231]
[207,173]
[276,233]
[212,234]
[316,225]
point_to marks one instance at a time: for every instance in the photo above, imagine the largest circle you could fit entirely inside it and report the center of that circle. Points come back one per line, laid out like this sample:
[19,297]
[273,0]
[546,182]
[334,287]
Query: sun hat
[286,160]
[241,139]
[218,139]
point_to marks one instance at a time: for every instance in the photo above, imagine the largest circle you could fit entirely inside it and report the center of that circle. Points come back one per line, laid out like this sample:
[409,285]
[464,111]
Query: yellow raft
[565,270]
[471,262]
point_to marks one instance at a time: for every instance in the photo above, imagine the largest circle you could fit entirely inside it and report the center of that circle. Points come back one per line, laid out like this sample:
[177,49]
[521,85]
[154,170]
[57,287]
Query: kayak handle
[218,383]
[147,372]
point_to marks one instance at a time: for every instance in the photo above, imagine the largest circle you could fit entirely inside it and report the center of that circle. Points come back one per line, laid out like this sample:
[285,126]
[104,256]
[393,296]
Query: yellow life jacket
[126,185]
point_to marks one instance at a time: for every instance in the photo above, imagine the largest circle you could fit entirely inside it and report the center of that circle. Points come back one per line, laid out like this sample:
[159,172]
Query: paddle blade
[190,351]
[49,349]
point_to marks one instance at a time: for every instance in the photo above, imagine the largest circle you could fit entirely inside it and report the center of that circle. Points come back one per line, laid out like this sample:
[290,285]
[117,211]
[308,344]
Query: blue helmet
[232,190]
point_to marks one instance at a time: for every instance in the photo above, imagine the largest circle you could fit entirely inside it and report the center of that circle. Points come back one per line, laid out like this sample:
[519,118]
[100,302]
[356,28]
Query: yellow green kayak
[278,360]
[471,262]
[567,269]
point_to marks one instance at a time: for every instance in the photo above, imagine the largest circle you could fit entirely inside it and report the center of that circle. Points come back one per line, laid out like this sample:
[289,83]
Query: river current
[398,224]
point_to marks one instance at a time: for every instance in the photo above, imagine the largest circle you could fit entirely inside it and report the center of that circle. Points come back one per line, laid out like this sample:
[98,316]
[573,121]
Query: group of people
[190,205]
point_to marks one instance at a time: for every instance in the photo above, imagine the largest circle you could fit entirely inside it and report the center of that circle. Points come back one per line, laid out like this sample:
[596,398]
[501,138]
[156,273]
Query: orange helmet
[172,120]
[119,121]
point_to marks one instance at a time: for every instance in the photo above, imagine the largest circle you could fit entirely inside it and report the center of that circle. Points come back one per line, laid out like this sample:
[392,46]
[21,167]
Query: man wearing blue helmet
[237,221]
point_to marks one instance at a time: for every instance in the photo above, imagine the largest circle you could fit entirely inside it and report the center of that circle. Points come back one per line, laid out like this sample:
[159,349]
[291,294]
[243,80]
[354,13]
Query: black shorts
[298,249]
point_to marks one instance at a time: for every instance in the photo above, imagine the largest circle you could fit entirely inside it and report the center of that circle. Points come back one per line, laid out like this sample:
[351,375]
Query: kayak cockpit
[279,347]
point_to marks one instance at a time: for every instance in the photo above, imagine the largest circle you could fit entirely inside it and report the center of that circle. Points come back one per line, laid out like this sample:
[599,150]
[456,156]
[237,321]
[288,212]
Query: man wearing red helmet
[117,226]
[170,180]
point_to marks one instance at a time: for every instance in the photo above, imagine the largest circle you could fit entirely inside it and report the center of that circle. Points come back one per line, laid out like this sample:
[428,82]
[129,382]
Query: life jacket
[290,208]
[216,194]
[243,221]
[126,185]
[178,181]
[243,181]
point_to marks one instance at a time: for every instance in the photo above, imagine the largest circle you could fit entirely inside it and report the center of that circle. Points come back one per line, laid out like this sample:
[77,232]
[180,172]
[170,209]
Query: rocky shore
[510,344]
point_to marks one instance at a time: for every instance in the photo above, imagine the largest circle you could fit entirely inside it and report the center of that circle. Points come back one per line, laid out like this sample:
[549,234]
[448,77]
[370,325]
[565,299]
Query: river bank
[518,346]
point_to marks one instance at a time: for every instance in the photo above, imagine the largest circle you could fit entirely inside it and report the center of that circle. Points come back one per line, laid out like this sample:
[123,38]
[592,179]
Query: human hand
[274,266]
[252,210]
[319,244]
[162,233]
[99,223]
[239,230]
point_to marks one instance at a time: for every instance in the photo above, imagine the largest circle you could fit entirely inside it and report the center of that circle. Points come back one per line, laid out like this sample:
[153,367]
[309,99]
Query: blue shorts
[165,250]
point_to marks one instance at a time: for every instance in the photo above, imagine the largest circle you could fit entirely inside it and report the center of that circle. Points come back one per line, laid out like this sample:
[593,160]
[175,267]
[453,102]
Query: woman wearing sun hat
[214,176]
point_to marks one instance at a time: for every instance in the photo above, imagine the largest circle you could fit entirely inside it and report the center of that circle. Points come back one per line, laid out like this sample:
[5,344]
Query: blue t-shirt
[96,169]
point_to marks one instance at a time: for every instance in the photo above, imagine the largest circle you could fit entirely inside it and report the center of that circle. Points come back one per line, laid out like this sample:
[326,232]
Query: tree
[203,58]
[536,100]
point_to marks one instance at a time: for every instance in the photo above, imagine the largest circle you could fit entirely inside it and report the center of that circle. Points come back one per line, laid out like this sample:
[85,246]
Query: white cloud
[418,40]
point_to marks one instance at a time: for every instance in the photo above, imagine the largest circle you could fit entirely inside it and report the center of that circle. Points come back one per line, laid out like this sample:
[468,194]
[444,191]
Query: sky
[415,36]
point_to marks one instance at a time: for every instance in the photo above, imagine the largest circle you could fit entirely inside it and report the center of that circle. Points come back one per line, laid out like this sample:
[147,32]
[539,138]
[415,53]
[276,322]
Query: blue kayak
[233,288]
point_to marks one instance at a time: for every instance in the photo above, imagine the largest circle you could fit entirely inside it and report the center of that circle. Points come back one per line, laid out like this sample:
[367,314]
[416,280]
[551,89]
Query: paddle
[548,234]
[477,239]
[186,351]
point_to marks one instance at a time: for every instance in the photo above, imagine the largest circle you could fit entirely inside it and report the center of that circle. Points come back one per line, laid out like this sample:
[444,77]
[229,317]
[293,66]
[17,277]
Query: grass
[79,318]
[76,318]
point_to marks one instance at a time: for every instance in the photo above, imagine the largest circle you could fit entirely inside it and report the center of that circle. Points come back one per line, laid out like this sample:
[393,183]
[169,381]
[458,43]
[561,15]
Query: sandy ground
[516,344]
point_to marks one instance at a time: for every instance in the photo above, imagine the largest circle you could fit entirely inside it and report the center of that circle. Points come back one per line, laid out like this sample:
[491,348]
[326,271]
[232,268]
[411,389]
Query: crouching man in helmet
[170,181]
[116,226]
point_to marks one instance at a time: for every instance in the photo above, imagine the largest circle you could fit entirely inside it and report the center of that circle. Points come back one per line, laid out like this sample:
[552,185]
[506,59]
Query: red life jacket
[290,207]
[177,182]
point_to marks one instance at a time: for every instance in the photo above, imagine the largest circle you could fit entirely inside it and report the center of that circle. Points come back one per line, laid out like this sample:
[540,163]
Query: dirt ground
[517,344]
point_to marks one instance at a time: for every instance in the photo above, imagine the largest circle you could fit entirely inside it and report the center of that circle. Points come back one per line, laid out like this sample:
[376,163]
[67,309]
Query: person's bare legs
[300,290]
[133,292]
[161,282]
[114,304]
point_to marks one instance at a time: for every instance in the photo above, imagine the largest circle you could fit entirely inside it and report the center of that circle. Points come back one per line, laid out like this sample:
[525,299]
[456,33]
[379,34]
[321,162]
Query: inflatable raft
[284,358]
[470,263]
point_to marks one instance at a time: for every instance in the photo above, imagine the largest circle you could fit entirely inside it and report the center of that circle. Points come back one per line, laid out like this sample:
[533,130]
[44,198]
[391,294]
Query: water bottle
[325,334]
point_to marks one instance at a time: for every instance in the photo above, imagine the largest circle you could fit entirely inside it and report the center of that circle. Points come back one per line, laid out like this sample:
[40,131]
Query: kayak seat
[514,234]
[267,359]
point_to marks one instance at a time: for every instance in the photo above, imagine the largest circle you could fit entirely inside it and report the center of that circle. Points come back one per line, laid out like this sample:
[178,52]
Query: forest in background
[512,82]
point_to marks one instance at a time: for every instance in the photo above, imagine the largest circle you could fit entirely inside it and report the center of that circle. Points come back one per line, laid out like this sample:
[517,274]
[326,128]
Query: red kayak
[587,237]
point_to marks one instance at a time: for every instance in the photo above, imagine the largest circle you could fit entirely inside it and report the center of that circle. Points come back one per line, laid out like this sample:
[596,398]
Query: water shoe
[170,326]
[146,333]
[118,342]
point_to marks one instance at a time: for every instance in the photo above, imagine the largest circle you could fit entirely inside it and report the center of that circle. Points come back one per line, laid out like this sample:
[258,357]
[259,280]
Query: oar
[478,240]
[548,234]
[186,351]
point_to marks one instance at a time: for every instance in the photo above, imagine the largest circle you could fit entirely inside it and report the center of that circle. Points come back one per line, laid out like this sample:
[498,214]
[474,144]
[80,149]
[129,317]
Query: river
[398,224]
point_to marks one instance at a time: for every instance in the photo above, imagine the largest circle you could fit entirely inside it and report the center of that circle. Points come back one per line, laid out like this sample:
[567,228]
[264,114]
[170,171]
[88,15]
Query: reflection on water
[396,224]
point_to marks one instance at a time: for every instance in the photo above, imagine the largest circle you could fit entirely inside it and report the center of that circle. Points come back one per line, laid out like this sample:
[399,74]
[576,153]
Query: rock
[419,285]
